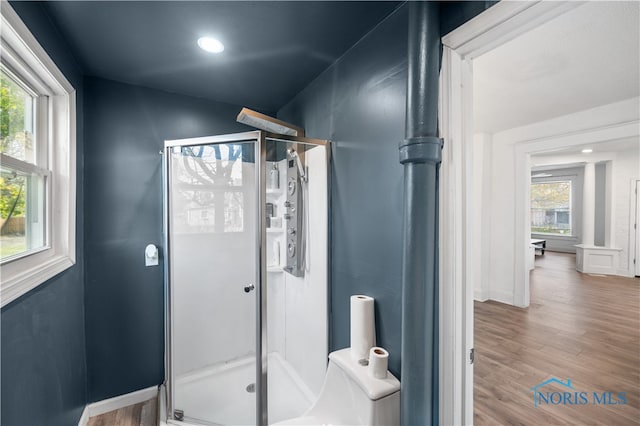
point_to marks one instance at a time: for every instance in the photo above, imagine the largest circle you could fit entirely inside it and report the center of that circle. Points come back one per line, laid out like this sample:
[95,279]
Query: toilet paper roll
[378,361]
[363,328]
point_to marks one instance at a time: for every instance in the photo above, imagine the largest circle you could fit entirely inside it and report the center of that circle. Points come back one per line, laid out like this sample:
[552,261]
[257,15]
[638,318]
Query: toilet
[350,396]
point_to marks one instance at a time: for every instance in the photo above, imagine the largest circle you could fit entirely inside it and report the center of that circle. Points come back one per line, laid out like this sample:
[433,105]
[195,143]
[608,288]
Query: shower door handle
[248,288]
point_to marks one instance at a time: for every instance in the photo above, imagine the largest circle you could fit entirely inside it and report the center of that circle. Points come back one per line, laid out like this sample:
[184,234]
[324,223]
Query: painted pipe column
[420,153]
[589,204]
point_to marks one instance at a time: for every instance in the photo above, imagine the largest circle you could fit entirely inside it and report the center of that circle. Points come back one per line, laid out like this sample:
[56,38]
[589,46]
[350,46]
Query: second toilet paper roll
[363,328]
[378,361]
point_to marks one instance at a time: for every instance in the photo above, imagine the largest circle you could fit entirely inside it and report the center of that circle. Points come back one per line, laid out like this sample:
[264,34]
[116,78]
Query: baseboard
[502,297]
[625,273]
[480,295]
[106,405]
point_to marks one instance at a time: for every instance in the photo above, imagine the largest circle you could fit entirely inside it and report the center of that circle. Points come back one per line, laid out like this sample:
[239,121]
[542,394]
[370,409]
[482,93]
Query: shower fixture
[294,156]
[294,215]
[269,124]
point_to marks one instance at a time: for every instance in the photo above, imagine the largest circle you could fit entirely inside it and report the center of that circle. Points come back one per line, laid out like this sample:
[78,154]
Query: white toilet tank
[349,396]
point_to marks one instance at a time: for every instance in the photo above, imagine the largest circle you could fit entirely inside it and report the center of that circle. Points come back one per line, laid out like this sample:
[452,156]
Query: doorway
[461,250]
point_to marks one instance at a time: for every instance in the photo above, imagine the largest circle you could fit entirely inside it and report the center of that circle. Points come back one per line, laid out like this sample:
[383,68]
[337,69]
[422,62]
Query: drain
[251,388]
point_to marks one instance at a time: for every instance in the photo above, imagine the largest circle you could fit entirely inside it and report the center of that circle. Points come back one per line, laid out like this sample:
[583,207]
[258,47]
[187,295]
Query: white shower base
[219,392]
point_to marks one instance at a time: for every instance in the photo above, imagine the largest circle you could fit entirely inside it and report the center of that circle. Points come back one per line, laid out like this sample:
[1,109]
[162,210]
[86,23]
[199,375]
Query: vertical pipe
[420,153]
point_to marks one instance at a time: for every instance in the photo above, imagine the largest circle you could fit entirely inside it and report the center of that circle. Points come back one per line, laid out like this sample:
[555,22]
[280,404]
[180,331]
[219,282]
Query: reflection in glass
[296,288]
[207,187]
[22,213]
[212,242]
[16,120]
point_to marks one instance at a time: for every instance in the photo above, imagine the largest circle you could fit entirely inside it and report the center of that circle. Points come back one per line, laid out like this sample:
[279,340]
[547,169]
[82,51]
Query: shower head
[294,155]
[269,124]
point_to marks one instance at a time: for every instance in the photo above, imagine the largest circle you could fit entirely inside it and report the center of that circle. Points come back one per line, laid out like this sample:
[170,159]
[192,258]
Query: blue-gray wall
[455,13]
[50,369]
[43,367]
[359,104]
[125,128]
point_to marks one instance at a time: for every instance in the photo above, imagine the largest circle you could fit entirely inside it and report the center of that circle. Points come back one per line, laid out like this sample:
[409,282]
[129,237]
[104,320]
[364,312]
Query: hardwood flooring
[142,414]
[580,327]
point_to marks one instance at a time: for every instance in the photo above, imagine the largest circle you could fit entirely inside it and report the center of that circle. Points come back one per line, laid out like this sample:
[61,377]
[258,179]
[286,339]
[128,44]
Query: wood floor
[580,327]
[142,414]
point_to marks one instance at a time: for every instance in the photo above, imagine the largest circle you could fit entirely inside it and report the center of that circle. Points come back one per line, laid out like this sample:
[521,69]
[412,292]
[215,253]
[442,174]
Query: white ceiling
[587,57]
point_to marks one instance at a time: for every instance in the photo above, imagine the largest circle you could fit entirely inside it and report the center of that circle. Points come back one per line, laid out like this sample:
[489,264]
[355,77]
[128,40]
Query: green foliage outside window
[16,142]
[12,197]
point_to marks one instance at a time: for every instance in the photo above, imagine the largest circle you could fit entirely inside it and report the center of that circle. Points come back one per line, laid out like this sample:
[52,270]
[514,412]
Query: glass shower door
[297,275]
[213,271]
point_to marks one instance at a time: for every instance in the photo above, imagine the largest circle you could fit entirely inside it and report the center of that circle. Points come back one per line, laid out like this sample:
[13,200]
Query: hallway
[580,327]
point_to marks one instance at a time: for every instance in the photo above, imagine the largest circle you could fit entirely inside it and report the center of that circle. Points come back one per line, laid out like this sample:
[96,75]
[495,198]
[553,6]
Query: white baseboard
[625,273]
[106,405]
[502,297]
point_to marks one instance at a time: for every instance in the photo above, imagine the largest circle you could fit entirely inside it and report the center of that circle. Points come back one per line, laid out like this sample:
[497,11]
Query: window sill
[542,235]
[29,279]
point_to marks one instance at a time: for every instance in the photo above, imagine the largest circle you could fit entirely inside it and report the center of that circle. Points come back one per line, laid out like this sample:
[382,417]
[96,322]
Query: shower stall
[246,277]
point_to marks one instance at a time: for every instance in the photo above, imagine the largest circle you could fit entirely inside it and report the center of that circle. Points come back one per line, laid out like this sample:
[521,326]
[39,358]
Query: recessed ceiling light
[211,45]
[587,151]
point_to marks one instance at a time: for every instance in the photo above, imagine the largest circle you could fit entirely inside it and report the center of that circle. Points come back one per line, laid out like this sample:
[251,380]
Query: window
[551,207]
[37,162]
[22,179]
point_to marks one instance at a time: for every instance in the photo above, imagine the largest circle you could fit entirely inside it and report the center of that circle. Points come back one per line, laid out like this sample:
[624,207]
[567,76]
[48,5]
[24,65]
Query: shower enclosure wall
[246,240]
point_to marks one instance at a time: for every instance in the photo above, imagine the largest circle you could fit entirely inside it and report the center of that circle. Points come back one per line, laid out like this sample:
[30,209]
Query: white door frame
[636,224]
[497,25]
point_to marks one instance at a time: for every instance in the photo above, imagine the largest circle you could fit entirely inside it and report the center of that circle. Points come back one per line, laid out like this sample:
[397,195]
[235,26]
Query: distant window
[551,207]
[37,162]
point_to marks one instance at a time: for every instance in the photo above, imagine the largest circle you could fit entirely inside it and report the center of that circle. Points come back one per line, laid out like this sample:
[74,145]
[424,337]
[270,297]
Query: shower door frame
[259,138]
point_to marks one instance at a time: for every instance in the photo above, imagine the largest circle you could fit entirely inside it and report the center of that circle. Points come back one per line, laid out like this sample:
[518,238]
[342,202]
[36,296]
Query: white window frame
[22,54]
